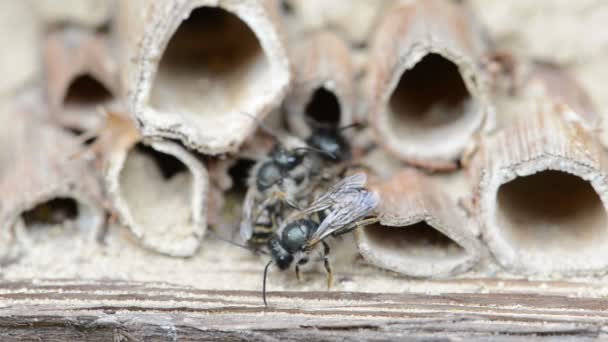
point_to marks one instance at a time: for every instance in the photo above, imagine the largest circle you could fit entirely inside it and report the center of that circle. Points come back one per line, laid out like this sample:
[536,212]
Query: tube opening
[51,213]
[553,215]
[239,173]
[324,107]
[157,189]
[213,65]
[86,91]
[417,241]
[231,206]
[167,164]
[431,103]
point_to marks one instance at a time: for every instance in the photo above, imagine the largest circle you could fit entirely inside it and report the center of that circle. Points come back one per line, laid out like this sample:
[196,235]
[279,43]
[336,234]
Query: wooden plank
[72,310]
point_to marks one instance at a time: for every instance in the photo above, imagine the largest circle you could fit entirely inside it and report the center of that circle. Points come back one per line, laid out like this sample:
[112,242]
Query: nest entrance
[239,174]
[419,241]
[53,212]
[213,65]
[324,107]
[86,91]
[431,103]
[157,189]
[553,216]
[168,165]
[83,96]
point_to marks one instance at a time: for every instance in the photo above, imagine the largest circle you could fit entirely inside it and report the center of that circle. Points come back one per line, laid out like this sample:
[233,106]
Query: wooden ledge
[66,310]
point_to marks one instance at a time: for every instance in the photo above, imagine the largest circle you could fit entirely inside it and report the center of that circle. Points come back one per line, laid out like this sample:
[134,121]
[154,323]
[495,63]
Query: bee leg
[330,277]
[290,202]
[302,261]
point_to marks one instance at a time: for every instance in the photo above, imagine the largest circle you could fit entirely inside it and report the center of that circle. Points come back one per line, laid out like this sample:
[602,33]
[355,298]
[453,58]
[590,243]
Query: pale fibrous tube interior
[212,69]
[431,105]
[157,188]
[552,216]
[418,242]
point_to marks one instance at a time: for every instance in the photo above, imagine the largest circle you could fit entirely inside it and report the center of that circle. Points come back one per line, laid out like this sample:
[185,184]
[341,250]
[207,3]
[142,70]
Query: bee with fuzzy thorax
[288,178]
[346,206]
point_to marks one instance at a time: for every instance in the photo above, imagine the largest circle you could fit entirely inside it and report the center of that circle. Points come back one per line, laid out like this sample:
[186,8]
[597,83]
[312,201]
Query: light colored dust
[572,33]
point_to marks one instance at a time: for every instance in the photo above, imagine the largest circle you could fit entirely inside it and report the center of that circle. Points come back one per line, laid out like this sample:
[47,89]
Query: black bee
[289,178]
[279,181]
[344,207]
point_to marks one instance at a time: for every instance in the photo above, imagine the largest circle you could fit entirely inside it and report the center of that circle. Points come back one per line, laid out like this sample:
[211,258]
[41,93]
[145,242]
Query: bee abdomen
[261,237]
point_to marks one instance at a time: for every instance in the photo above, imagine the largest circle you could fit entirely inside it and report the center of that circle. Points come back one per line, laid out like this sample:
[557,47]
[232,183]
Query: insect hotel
[198,170]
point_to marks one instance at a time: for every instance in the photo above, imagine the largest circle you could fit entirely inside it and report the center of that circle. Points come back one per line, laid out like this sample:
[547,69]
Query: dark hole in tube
[324,107]
[168,165]
[551,209]
[86,91]
[55,211]
[239,173]
[212,65]
[431,94]
[212,39]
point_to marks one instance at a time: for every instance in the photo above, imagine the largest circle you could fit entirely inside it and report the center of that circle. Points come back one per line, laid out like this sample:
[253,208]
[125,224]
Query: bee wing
[341,220]
[246,226]
[338,192]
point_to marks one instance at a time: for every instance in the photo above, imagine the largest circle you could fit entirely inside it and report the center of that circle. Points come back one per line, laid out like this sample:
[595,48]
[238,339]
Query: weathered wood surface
[121,311]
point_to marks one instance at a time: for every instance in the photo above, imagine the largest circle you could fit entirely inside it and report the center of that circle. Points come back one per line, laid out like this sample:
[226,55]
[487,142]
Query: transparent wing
[344,217]
[246,226]
[345,188]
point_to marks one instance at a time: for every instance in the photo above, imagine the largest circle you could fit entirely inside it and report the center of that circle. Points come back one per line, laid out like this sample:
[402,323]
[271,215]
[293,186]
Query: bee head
[268,175]
[330,141]
[296,234]
[285,159]
[280,256]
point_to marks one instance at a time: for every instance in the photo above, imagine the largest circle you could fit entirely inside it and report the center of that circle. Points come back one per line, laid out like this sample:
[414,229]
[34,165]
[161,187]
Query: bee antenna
[262,126]
[228,241]
[313,149]
[264,282]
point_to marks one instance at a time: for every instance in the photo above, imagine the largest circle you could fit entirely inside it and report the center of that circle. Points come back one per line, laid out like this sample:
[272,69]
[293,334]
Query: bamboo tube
[541,83]
[323,86]
[524,85]
[543,195]
[81,76]
[427,94]
[420,233]
[157,188]
[42,184]
[192,68]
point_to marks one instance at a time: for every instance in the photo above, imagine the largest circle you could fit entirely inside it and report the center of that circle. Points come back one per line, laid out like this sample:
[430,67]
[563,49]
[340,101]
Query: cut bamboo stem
[543,195]
[81,76]
[197,70]
[420,232]
[427,94]
[42,185]
[323,88]
[159,191]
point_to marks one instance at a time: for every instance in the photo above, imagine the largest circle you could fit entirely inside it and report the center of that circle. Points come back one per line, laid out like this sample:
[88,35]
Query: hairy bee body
[290,178]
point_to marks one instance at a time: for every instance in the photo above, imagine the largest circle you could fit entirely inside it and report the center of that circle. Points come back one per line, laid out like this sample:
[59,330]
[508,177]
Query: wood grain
[120,311]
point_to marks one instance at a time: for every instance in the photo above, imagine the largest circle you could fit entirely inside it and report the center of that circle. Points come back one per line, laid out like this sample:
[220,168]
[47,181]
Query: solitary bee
[276,183]
[343,208]
[289,178]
